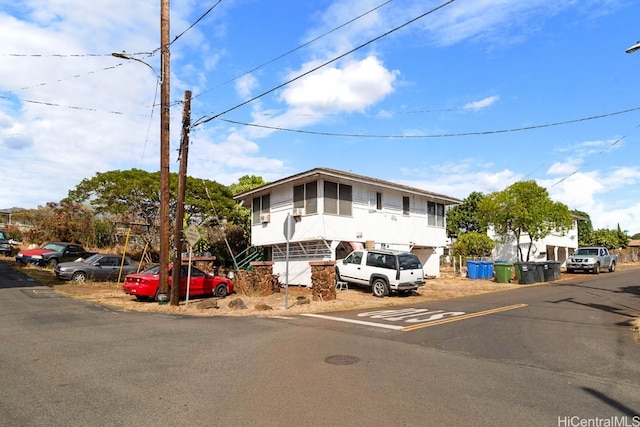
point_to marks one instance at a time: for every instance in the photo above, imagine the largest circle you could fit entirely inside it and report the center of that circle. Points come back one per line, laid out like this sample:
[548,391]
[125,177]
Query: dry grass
[111,295]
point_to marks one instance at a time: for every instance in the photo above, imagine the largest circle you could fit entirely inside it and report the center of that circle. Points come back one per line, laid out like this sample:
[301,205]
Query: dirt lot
[274,305]
[447,287]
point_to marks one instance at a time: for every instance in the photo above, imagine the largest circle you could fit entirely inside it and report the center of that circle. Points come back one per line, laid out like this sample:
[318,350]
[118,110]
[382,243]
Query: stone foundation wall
[258,281]
[323,281]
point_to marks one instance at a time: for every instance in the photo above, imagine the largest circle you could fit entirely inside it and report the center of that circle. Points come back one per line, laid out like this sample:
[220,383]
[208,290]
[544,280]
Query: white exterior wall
[553,247]
[388,228]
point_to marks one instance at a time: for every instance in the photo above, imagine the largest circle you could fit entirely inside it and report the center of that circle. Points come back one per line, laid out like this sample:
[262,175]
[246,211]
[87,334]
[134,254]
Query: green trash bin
[503,272]
[516,267]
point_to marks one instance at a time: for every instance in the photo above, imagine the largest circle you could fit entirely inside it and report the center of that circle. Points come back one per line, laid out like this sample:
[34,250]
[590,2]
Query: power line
[71,107]
[442,135]
[205,120]
[68,78]
[313,40]
[583,166]
[54,55]
[196,22]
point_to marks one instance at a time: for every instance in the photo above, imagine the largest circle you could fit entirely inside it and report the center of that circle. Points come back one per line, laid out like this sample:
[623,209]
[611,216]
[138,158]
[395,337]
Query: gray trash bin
[548,271]
[528,274]
[555,268]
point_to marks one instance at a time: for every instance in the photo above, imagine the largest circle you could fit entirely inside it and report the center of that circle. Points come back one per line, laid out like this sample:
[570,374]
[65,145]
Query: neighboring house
[555,247]
[5,218]
[336,212]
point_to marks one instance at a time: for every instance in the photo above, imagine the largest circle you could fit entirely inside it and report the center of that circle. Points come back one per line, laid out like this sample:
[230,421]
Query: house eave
[323,173]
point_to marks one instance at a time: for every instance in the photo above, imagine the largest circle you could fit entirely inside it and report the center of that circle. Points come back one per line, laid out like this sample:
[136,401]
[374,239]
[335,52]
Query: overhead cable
[441,135]
[305,44]
[208,119]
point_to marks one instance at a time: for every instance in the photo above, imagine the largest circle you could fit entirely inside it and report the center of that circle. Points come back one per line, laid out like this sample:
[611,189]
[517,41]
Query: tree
[623,239]
[241,215]
[464,218]
[66,221]
[473,244]
[246,183]
[604,237]
[524,208]
[585,228]
[133,196]
[127,196]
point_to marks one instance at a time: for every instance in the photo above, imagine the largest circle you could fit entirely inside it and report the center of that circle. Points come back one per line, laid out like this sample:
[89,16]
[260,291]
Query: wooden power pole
[182,185]
[165,75]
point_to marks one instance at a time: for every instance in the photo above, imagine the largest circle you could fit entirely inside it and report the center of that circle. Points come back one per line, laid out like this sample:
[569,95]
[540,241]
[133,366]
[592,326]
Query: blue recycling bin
[473,269]
[487,270]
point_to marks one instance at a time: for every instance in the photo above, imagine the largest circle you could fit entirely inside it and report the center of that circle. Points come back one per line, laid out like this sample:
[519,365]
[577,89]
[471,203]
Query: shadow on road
[9,278]
[611,402]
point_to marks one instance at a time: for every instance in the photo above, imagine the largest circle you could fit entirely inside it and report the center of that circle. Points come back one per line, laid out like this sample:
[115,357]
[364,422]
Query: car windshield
[53,247]
[2,236]
[587,252]
[93,258]
[151,270]
[409,262]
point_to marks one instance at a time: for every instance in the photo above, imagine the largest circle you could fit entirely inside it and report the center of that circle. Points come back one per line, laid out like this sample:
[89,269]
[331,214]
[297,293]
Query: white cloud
[609,198]
[353,87]
[483,103]
[566,167]
[245,85]
[460,178]
[622,177]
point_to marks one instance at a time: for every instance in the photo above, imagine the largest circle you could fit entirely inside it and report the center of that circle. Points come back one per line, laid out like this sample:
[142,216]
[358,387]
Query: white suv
[382,270]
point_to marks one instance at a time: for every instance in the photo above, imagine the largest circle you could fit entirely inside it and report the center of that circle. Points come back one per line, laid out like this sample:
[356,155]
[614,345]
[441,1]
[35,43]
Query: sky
[447,96]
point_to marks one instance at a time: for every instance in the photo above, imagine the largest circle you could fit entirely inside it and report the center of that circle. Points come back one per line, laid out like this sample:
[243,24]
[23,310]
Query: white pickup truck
[592,259]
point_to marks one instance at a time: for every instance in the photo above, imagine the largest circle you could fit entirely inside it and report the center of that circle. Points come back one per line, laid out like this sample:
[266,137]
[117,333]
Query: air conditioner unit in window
[298,211]
[265,218]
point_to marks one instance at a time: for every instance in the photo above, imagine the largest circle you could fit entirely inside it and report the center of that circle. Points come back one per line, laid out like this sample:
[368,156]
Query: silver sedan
[98,267]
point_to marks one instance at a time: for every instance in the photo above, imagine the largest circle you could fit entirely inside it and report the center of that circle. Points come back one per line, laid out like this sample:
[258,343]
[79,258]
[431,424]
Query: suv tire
[379,288]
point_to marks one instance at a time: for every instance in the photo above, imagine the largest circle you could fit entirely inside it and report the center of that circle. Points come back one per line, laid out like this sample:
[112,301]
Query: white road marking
[416,317]
[357,322]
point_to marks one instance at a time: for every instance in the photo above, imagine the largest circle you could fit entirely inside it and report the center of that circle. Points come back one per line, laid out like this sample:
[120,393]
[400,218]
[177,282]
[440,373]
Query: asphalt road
[559,355]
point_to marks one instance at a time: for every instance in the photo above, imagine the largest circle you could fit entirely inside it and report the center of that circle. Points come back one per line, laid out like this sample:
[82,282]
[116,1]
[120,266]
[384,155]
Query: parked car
[99,267]
[383,270]
[52,253]
[592,259]
[5,244]
[146,284]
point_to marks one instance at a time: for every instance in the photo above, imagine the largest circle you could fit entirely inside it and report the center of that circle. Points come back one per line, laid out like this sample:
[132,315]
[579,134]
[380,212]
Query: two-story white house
[556,246]
[336,212]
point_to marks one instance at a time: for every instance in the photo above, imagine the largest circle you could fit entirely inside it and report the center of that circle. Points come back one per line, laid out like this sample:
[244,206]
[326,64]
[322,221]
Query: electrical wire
[442,135]
[189,27]
[305,44]
[196,22]
[146,139]
[586,164]
[62,80]
[203,120]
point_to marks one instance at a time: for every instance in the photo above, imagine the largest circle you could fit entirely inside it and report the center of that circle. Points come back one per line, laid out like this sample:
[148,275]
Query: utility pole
[182,185]
[165,75]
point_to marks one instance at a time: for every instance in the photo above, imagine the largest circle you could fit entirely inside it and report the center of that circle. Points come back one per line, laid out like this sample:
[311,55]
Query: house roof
[325,173]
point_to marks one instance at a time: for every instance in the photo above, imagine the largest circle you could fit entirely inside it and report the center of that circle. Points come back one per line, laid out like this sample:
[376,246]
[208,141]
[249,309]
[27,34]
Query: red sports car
[146,284]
